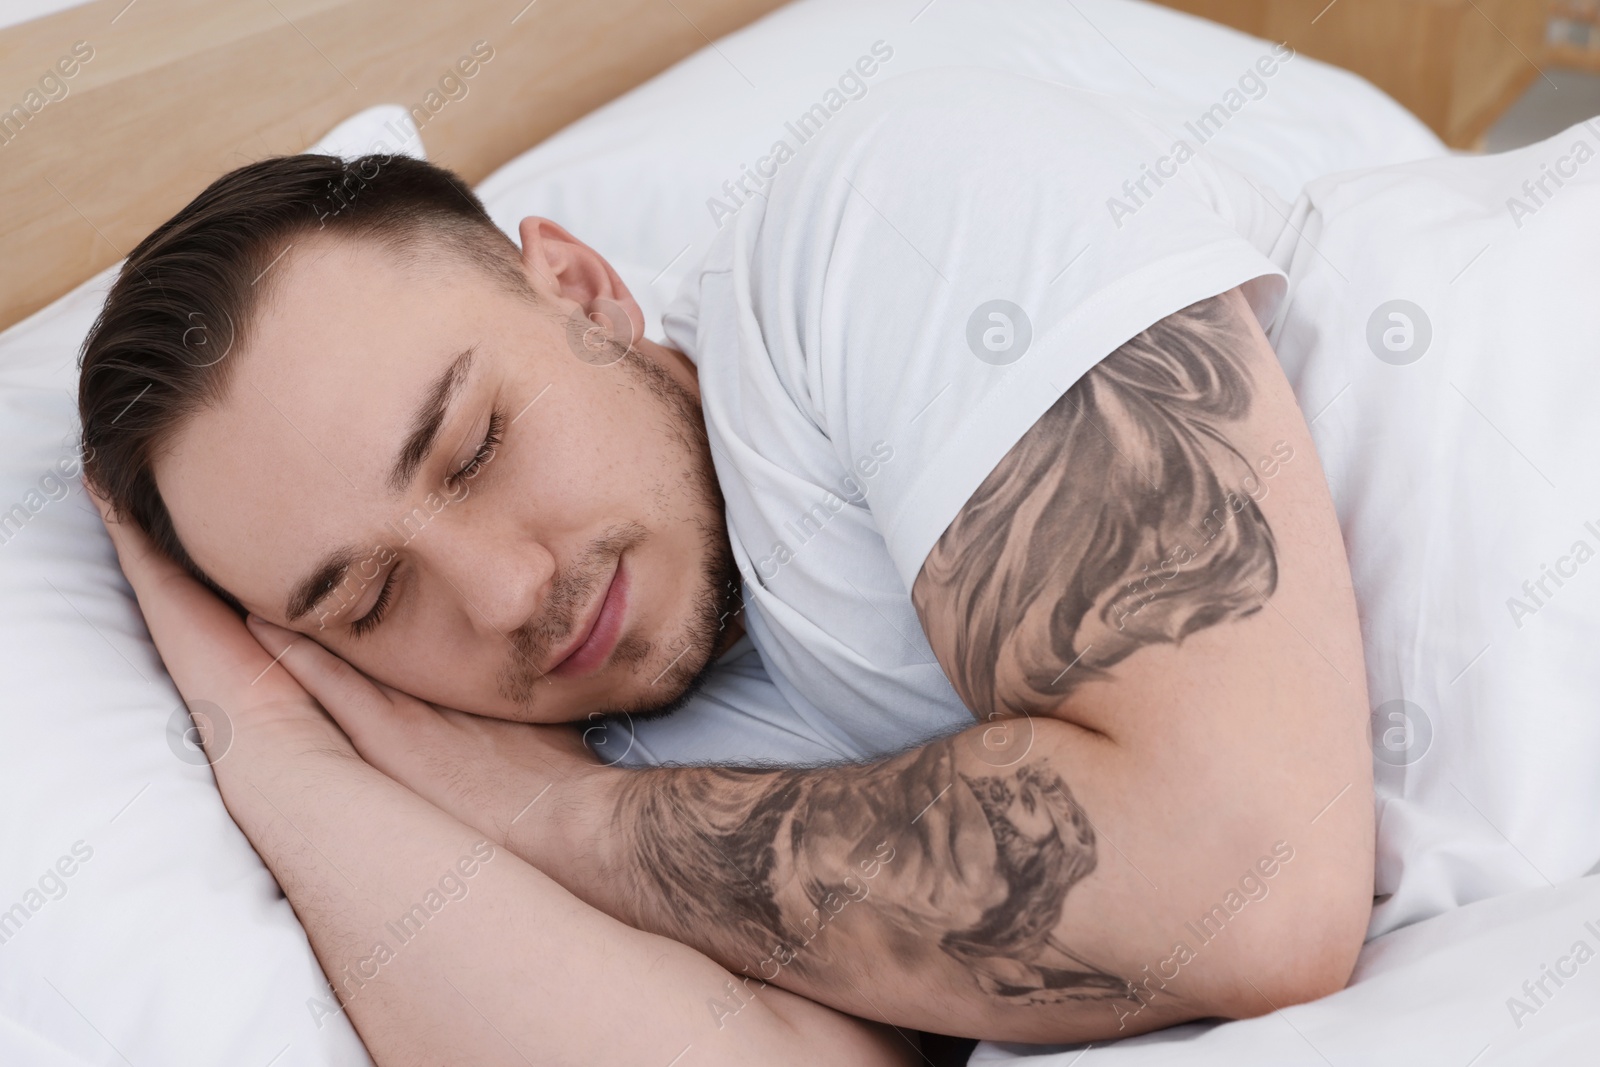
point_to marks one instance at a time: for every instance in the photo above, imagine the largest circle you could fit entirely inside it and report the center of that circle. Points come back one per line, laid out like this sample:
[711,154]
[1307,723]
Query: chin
[664,687]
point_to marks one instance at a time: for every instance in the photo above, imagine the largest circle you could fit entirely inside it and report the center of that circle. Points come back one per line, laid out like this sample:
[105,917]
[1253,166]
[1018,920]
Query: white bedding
[172,945]
[1441,329]
[1435,994]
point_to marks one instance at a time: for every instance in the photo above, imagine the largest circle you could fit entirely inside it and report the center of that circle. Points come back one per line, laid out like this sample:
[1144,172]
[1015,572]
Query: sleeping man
[961,562]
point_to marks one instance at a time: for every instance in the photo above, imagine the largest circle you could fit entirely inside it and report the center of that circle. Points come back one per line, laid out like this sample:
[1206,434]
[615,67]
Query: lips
[598,633]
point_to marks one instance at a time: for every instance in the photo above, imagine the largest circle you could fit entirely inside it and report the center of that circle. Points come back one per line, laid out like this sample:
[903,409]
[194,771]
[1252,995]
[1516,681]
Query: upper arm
[1171,491]
[1158,561]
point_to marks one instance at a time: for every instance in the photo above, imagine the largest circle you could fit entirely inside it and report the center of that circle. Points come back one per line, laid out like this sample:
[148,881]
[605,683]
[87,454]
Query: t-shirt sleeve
[930,272]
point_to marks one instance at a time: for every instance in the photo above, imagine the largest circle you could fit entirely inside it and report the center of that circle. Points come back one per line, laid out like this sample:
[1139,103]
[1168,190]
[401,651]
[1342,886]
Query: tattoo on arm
[965,866]
[1109,526]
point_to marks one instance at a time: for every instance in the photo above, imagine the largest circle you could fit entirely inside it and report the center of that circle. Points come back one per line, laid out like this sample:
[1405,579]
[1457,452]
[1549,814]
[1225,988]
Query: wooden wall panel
[1456,63]
[180,91]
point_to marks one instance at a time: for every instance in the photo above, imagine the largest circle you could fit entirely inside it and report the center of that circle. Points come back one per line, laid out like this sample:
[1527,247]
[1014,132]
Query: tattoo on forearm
[965,870]
[1112,524]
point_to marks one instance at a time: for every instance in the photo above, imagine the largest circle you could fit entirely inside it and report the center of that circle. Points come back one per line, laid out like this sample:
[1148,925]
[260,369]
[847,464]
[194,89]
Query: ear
[560,266]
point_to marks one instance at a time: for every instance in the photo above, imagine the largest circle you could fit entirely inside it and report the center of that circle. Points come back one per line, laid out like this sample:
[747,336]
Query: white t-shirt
[907,296]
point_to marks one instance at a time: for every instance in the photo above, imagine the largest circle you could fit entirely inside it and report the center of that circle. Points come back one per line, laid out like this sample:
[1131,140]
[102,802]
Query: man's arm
[1149,605]
[1165,811]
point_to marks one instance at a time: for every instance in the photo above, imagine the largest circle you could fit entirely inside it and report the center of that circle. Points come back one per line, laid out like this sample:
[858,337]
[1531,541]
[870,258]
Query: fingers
[138,556]
[100,502]
[208,654]
[202,644]
[344,692]
[379,721]
[108,515]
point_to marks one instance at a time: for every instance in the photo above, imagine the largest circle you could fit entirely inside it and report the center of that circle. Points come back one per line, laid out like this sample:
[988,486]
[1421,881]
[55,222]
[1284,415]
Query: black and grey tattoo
[965,870]
[1114,523]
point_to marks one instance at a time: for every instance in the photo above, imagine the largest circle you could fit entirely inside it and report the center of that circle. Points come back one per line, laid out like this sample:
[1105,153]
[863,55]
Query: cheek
[620,449]
[649,467]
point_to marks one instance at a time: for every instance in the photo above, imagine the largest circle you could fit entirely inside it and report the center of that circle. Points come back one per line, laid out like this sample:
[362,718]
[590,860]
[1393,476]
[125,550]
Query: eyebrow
[419,443]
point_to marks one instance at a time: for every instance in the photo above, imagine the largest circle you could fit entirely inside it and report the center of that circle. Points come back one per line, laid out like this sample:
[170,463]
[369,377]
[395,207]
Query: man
[1022,516]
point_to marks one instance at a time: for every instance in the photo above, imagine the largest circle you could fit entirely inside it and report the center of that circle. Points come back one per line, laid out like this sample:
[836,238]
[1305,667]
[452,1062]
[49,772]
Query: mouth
[597,635]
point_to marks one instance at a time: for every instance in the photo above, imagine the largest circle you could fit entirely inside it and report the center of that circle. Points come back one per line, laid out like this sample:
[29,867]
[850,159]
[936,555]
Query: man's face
[554,547]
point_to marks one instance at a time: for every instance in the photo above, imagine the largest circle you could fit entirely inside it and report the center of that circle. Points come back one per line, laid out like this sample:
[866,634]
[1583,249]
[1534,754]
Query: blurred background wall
[1463,66]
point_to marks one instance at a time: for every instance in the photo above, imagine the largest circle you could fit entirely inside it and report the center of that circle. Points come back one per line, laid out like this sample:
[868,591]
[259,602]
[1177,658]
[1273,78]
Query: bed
[136,923]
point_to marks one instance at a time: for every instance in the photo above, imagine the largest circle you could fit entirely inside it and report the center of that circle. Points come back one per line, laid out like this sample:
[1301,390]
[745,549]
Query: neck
[732,630]
[675,363]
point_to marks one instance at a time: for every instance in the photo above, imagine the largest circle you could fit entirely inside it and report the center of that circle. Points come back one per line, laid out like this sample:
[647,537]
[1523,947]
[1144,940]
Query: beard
[679,664]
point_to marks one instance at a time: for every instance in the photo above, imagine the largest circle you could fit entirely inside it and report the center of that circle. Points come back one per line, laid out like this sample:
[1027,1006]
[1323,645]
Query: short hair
[187,296]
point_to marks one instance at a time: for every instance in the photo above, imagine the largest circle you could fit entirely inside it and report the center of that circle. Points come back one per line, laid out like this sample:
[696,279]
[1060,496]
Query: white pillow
[634,178]
[169,941]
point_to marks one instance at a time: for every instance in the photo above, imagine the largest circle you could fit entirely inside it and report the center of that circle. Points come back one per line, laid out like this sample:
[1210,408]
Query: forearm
[445,949]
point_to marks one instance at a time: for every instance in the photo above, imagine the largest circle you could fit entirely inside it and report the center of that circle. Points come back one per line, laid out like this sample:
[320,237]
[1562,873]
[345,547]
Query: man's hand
[211,656]
[489,773]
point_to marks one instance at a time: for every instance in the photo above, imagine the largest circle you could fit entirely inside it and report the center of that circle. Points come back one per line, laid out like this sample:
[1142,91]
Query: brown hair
[185,298]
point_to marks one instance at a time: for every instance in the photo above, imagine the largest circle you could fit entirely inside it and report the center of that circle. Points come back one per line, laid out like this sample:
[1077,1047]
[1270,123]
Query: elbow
[1307,952]
[1311,973]
[1305,935]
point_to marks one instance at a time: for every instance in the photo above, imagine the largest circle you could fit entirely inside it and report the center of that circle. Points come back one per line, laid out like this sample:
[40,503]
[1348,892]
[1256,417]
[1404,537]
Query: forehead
[293,462]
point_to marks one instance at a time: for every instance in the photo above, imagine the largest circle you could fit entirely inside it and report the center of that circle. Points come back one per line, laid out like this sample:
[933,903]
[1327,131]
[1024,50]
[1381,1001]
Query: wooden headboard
[165,95]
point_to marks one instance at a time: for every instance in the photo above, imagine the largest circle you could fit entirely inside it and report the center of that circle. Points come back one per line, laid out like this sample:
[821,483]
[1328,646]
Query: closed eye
[468,470]
[364,625]
[486,451]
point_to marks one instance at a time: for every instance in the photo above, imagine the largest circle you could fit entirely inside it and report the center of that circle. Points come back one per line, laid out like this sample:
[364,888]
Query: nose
[500,576]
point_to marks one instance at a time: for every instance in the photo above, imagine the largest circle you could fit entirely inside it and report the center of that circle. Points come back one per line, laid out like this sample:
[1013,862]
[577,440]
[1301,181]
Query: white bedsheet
[1434,994]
